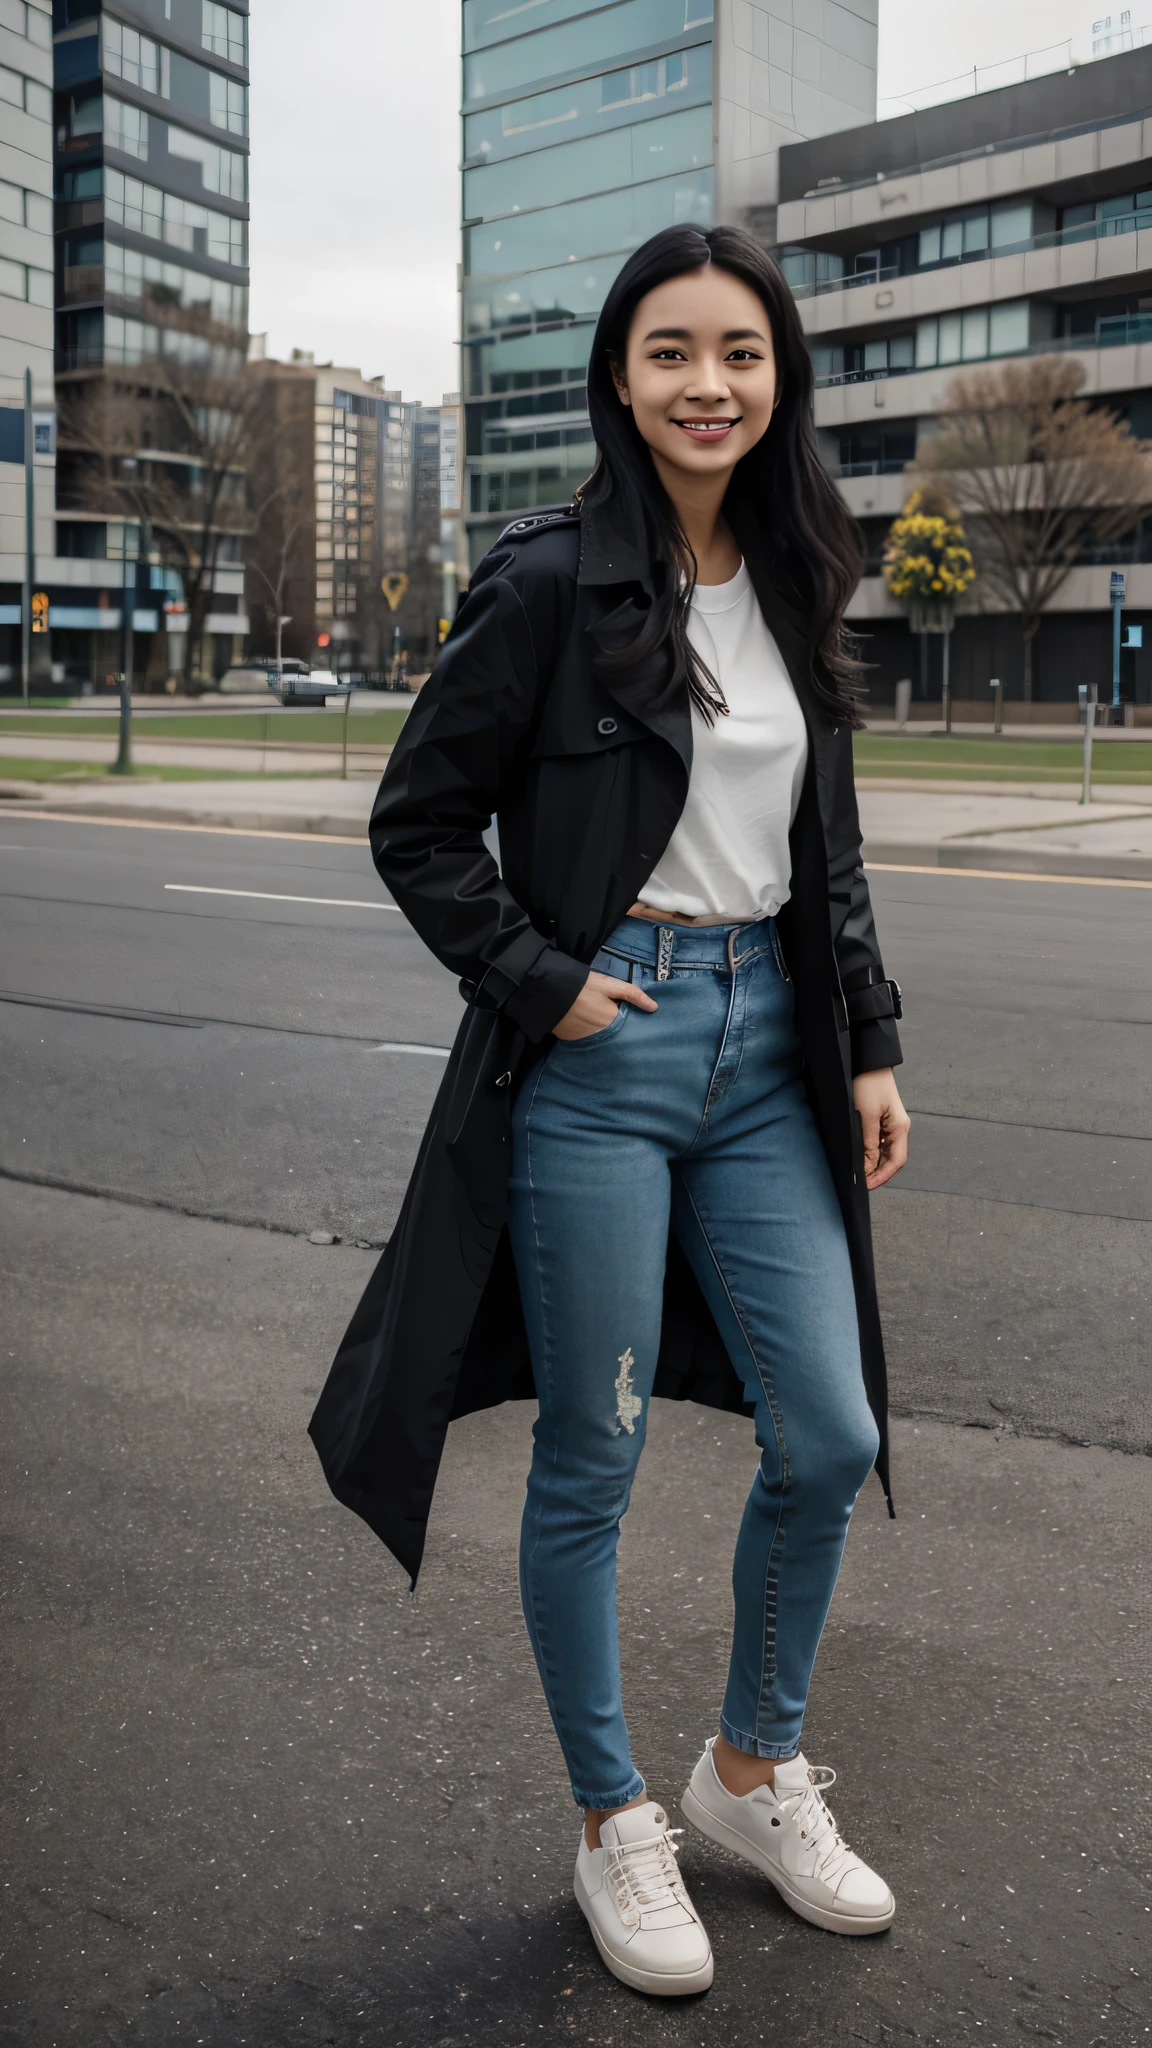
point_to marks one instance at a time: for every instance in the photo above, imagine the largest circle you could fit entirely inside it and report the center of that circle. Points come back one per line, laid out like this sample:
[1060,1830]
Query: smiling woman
[647,1169]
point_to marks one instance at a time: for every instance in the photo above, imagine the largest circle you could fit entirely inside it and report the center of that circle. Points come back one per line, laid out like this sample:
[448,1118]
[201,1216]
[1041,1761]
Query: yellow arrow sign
[394,587]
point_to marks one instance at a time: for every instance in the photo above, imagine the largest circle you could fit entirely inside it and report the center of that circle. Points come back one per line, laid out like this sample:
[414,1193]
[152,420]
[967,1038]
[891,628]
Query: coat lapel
[618,576]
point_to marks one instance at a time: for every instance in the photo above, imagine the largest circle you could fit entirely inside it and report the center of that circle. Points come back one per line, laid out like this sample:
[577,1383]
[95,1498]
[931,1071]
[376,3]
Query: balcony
[1060,238]
[1119,330]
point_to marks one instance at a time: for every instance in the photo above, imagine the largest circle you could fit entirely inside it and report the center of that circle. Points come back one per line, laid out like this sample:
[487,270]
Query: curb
[224,821]
[987,856]
[979,854]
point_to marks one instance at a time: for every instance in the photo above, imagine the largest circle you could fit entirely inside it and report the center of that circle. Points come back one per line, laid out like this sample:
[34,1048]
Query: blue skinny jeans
[693,1116]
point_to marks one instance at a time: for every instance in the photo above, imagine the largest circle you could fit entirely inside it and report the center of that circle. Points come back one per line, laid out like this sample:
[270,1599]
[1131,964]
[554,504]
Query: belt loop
[732,936]
[664,952]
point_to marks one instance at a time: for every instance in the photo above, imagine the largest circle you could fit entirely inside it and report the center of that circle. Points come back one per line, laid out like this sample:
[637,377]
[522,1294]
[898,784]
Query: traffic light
[39,611]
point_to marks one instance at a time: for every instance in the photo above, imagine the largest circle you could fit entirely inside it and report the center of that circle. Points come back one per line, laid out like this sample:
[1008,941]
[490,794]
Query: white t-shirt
[728,860]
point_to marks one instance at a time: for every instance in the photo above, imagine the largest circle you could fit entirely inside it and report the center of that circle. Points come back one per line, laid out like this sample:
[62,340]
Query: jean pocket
[591,1038]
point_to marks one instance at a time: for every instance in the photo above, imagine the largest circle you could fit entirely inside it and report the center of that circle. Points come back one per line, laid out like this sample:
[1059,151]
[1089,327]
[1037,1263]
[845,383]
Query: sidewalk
[1026,832]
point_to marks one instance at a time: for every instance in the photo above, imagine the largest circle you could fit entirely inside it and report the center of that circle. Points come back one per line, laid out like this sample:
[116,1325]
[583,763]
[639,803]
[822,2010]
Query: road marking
[436,1052]
[883,867]
[273,896]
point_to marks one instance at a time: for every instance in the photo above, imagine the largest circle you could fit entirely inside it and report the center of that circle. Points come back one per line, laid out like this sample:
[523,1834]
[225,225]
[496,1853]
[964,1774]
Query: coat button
[607,727]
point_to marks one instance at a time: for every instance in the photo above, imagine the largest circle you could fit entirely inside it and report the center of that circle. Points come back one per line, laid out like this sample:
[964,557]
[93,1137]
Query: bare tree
[277,525]
[167,444]
[1044,477]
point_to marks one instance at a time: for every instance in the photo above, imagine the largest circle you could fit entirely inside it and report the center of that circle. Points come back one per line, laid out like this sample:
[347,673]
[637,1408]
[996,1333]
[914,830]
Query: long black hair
[813,546]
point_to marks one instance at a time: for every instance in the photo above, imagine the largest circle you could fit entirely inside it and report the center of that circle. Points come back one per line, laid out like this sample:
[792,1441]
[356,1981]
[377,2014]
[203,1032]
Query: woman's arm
[442,785]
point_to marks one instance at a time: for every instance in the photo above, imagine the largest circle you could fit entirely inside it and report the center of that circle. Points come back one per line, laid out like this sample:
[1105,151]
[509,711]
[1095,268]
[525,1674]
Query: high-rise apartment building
[151,268]
[347,478]
[25,305]
[586,128]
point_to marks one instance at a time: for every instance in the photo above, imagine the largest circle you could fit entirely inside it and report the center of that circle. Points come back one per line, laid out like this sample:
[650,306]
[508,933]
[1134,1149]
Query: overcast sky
[355,147]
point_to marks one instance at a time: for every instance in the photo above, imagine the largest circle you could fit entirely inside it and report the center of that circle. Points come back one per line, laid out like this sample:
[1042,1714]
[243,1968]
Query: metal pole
[29,541]
[1117,609]
[945,692]
[344,754]
[123,762]
[997,688]
[1088,700]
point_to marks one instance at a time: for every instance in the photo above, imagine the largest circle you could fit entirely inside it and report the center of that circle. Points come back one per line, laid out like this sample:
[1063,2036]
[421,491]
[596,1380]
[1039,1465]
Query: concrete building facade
[1016,223]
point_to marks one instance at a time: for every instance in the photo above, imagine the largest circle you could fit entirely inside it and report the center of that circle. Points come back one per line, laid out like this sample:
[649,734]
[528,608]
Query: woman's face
[700,372]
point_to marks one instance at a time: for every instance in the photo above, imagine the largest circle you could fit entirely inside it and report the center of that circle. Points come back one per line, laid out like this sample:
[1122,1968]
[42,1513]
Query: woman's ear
[618,378]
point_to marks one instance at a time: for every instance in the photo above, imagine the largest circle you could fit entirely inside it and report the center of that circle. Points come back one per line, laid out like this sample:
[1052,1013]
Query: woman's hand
[885,1123]
[596,1006]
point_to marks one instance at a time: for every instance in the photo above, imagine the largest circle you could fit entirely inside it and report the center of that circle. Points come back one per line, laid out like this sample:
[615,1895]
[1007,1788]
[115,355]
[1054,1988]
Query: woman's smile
[708,430]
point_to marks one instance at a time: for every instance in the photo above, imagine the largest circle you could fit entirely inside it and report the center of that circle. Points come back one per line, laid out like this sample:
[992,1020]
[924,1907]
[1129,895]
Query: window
[228,103]
[135,58]
[592,106]
[130,275]
[28,22]
[970,337]
[609,33]
[494,21]
[224,32]
[1011,225]
[1008,328]
[222,170]
[180,222]
[26,93]
[26,209]
[614,222]
[624,156]
[125,128]
[24,281]
[87,183]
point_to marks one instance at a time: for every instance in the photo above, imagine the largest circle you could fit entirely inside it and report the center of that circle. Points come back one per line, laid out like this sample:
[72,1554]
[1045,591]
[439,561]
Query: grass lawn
[75,772]
[307,728]
[948,758]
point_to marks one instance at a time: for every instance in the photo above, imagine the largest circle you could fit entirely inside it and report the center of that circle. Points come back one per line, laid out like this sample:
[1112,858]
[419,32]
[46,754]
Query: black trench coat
[587,783]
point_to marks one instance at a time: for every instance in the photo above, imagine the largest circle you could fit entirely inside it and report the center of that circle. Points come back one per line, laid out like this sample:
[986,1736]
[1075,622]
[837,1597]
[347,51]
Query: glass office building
[586,129]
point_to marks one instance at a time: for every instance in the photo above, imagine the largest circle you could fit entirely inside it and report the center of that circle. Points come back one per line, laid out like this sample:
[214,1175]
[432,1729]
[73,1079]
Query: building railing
[886,465]
[1114,330]
[1088,231]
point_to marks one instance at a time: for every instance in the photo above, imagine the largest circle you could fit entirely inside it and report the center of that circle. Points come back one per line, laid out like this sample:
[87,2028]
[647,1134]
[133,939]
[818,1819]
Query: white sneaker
[788,1833]
[634,1899]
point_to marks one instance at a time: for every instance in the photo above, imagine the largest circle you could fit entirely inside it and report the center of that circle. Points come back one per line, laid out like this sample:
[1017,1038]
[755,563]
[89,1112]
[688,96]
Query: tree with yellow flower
[927,561]
[927,566]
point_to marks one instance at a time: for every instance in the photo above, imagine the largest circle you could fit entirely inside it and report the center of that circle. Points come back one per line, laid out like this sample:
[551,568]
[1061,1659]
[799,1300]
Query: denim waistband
[679,945]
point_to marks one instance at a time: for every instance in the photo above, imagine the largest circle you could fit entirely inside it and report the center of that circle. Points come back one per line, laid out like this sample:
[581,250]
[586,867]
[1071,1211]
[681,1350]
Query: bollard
[1087,695]
[903,702]
[997,689]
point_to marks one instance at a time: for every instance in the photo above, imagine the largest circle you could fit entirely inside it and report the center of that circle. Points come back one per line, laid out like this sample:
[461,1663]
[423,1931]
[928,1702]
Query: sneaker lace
[645,1874]
[818,1828]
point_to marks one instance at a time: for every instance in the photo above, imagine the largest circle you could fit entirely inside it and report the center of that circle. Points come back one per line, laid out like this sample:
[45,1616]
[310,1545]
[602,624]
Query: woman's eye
[668,355]
[744,355]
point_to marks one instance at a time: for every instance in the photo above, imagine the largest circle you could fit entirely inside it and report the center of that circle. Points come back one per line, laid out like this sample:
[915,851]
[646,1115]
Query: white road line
[436,1052]
[273,896]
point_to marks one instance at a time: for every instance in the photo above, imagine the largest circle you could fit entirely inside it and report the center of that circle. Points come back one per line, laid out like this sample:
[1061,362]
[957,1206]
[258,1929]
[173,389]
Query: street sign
[394,586]
[39,611]
[1116,589]
[1133,636]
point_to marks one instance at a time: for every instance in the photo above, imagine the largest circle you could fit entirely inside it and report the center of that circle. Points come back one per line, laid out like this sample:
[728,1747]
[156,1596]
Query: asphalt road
[258,1794]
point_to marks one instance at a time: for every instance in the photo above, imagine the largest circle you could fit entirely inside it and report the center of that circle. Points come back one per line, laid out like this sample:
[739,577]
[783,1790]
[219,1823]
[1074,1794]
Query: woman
[646,1168]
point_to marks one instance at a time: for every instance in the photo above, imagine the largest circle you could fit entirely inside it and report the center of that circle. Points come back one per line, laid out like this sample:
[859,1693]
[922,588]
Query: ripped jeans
[693,1116]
